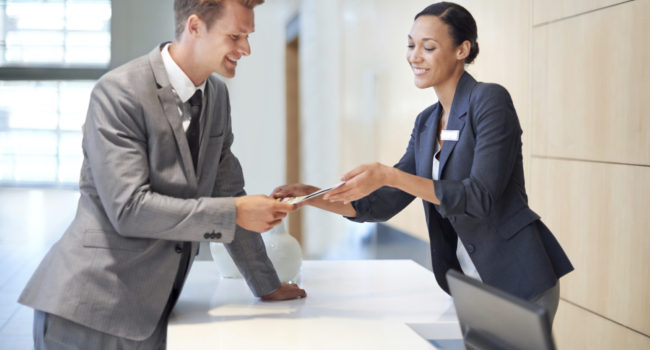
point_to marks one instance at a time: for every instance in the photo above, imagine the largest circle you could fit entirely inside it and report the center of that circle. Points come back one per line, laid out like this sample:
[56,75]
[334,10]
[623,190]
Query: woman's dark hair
[461,24]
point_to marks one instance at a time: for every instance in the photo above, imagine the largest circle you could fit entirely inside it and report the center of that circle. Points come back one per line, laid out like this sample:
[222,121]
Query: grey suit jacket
[482,194]
[114,267]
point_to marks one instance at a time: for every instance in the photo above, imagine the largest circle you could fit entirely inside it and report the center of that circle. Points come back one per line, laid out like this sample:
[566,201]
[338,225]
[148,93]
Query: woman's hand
[297,190]
[360,182]
[294,190]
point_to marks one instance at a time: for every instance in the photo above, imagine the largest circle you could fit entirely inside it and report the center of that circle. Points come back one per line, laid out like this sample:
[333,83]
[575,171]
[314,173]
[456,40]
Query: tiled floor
[31,220]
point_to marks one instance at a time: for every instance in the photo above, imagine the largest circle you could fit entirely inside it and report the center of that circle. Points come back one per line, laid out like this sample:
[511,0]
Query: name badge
[449,135]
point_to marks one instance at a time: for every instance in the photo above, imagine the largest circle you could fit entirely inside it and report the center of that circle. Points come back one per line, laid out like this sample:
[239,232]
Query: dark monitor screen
[493,319]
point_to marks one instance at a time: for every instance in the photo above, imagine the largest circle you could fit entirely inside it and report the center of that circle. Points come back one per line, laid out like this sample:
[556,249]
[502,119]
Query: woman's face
[431,53]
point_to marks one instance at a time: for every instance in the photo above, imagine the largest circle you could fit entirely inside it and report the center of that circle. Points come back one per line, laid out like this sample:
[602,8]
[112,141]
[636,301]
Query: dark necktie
[193,132]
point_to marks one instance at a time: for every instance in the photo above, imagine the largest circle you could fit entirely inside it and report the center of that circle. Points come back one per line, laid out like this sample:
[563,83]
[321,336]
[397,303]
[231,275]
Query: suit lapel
[169,104]
[426,146]
[459,108]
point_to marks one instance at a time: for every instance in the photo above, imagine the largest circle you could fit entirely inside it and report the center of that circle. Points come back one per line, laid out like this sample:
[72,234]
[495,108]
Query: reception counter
[376,304]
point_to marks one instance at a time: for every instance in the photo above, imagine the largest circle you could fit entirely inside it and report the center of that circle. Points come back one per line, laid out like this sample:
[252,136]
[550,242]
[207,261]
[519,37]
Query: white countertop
[349,305]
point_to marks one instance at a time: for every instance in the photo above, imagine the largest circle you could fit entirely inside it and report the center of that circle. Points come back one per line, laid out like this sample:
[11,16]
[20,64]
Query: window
[55,33]
[51,53]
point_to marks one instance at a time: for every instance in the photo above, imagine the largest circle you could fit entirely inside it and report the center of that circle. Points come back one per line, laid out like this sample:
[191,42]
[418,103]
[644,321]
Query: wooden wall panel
[591,83]
[576,328]
[599,213]
[504,37]
[552,10]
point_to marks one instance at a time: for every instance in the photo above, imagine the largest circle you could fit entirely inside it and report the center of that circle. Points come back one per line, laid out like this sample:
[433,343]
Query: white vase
[222,259]
[284,252]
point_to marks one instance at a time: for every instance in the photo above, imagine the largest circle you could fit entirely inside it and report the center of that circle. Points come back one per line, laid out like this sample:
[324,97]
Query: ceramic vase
[222,259]
[284,252]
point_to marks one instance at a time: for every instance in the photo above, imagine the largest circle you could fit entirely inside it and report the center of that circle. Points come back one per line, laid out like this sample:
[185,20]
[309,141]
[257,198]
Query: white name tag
[449,135]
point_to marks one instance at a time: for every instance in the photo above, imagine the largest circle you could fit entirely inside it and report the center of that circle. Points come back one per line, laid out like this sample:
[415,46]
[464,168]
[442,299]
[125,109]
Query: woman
[464,161]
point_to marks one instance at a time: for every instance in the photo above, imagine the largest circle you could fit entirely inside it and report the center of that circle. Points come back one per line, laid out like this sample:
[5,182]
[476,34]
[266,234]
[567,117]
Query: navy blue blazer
[482,195]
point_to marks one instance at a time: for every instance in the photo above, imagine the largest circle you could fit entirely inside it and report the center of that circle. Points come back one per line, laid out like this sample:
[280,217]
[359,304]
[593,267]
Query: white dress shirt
[181,84]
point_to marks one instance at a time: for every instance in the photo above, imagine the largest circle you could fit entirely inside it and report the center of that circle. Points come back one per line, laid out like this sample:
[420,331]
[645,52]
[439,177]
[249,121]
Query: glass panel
[40,122]
[88,15]
[55,32]
[29,143]
[26,15]
[7,167]
[31,105]
[70,144]
[69,169]
[75,96]
[35,169]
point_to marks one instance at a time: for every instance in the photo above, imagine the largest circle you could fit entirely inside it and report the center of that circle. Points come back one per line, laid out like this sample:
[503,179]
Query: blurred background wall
[327,87]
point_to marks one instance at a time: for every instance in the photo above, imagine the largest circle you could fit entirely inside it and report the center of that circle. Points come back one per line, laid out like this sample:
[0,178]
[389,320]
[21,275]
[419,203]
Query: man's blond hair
[208,10]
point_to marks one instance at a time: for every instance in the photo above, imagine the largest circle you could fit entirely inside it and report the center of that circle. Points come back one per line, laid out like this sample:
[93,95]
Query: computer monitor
[493,319]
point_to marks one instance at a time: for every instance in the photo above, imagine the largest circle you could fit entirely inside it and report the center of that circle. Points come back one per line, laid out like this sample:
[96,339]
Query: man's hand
[260,213]
[286,291]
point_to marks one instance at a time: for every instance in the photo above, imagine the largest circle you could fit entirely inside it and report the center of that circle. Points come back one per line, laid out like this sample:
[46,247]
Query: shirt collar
[180,81]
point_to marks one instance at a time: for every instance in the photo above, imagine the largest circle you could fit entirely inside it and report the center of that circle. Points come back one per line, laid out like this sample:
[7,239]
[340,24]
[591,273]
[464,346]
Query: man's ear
[463,50]
[194,26]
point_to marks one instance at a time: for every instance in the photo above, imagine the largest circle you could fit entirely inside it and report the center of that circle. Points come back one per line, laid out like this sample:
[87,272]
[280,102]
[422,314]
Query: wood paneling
[292,122]
[591,83]
[504,32]
[576,328]
[551,10]
[599,213]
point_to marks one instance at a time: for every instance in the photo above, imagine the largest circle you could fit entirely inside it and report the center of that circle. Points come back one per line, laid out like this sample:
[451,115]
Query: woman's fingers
[289,190]
[352,173]
[335,191]
[345,195]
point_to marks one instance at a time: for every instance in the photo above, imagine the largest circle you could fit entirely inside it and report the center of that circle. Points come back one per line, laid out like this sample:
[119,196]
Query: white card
[449,135]
[296,200]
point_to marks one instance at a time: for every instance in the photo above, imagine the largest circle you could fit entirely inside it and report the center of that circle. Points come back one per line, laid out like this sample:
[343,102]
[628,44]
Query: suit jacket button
[178,249]
[206,235]
[470,248]
[218,235]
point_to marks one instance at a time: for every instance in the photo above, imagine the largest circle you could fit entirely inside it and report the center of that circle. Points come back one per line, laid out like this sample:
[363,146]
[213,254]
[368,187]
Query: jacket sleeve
[386,202]
[498,144]
[115,147]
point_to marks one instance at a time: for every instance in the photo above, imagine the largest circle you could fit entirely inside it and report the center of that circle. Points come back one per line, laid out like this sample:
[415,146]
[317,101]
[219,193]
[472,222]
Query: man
[158,177]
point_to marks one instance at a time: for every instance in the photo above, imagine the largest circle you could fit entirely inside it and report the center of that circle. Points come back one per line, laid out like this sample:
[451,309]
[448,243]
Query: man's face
[227,40]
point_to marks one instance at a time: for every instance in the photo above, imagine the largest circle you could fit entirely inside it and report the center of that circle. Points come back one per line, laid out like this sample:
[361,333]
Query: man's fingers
[278,215]
[285,292]
[298,292]
[301,204]
[282,207]
[291,291]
